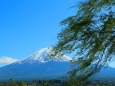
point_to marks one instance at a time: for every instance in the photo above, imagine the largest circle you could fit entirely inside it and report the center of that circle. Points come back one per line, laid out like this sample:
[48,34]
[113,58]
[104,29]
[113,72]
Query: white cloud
[7,60]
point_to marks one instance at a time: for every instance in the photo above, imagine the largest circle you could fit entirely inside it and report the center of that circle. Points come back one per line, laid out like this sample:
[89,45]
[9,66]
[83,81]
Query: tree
[90,36]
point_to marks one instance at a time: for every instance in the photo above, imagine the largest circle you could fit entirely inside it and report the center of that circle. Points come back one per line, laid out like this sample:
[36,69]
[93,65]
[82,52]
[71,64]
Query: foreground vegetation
[53,83]
[12,82]
[88,35]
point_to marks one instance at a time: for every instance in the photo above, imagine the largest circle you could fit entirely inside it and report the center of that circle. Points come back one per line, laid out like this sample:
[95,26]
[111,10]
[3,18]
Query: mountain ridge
[43,55]
[37,66]
[41,66]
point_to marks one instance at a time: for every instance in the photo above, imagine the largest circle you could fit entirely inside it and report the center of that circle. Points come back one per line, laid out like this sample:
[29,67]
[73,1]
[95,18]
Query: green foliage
[90,35]
[13,82]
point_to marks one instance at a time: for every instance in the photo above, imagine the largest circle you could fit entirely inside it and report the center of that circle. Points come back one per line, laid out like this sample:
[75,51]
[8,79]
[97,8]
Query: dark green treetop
[90,35]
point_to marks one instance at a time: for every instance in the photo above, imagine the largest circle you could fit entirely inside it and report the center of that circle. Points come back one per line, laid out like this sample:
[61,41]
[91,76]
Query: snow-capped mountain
[37,66]
[44,55]
[41,66]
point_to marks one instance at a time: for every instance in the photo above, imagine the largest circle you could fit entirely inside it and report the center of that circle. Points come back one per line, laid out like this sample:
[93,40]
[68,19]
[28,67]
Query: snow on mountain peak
[43,55]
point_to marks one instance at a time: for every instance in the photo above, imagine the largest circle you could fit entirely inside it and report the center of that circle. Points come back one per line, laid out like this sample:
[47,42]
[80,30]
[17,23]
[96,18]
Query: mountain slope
[37,66]
[41,66]
[106,73]
[36,70]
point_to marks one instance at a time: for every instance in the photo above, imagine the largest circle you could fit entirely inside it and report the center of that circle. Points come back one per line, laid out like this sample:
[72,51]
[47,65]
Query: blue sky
[29,25]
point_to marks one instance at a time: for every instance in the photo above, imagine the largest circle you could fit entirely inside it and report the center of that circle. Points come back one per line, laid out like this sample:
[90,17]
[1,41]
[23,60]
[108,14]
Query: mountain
[106,74]
[38,66]
[43,55]
[41,66]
